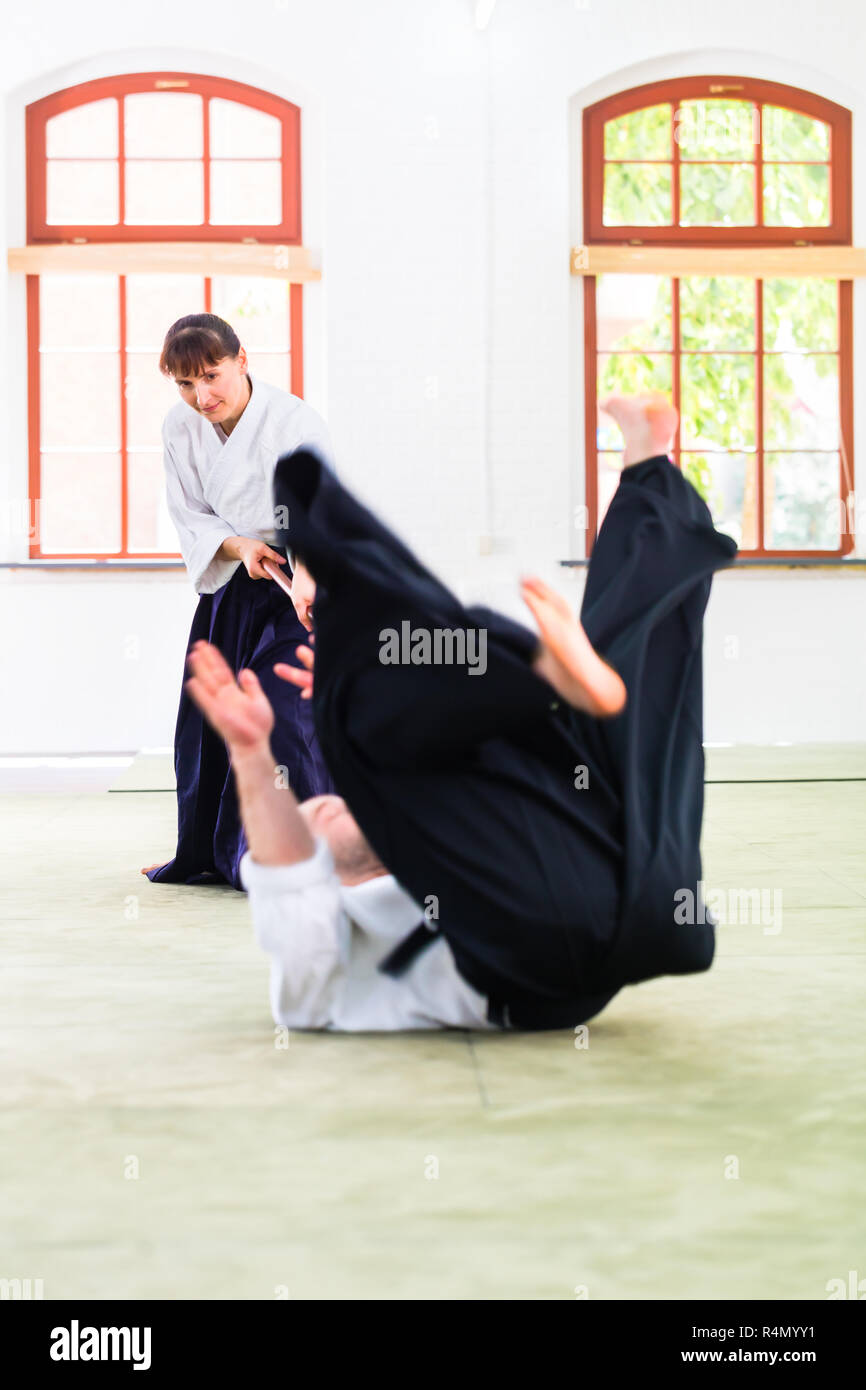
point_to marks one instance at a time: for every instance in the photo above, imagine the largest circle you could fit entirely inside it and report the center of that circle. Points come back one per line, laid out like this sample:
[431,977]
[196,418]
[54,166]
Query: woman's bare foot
[567,658]
[153,866]
[648,424]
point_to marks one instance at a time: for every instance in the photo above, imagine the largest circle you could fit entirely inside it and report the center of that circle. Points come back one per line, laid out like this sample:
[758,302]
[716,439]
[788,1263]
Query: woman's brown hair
[196,343]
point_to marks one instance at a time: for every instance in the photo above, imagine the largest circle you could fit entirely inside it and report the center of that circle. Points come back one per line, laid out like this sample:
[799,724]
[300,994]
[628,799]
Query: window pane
[718,402]
[163,124]
[717,129]
[88,131]
[80,400]
[801,501]
[81,193]
[633,311]
[801,401]
[644,134]
[78,311]
[637,195]
[273,367]
[150,526]
[149,397]
[728,485]
[791,135]
[609,471]
[155,302]
[717,311]
[80,502]
[628,374]
[717,195]
[239,132]
[246,194]
[801,313]
[258,310]
[163,192]
[796,195]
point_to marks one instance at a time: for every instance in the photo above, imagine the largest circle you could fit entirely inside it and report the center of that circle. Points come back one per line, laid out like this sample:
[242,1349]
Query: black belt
[398,961]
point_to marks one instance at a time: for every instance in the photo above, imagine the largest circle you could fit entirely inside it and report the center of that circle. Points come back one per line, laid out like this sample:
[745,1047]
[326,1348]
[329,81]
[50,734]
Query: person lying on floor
[464,877]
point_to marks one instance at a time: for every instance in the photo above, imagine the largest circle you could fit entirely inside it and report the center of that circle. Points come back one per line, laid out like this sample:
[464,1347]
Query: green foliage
[791,135]
[797,195]
[801,313]
[717,128]
[643,134]
[638,195]
[717,312]
[717,195]
[698,471]
[717,395]
[718,333]
[713,193]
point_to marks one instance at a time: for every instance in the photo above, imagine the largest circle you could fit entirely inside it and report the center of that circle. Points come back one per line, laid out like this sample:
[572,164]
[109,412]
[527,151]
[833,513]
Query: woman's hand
[303,594]
[239,709]
[302,679]
[252,552]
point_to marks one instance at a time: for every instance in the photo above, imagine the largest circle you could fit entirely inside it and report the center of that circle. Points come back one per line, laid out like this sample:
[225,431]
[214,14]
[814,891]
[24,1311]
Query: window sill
[18,568]
[805,565]
[92,564]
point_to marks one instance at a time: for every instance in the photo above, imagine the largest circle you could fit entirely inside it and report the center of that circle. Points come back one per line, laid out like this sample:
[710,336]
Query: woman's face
[220,392]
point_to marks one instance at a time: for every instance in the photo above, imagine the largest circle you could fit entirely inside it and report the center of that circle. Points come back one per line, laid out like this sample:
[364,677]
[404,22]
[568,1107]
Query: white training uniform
[325,941]
[219,486]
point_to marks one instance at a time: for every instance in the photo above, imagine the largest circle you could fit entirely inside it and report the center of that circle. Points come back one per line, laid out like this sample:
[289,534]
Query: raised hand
[302,679]
[239,709]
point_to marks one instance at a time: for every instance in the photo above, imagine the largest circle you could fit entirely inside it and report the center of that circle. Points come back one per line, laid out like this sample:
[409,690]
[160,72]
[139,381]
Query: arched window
[150,196]
[757,355]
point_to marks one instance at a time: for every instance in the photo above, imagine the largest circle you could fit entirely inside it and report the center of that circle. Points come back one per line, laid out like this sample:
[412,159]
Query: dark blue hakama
[254,624]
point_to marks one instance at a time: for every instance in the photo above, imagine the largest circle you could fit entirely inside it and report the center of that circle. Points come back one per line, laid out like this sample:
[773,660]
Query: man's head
[330,818]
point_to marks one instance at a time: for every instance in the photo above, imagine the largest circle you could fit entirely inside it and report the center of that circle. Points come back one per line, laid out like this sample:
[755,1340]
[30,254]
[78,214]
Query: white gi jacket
[218,487]
[325,941]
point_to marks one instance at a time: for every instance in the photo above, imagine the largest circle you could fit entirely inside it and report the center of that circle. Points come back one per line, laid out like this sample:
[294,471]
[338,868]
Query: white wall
[441,195]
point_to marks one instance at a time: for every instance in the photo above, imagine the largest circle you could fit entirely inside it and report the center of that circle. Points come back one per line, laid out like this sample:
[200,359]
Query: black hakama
[254,624]
[547,846]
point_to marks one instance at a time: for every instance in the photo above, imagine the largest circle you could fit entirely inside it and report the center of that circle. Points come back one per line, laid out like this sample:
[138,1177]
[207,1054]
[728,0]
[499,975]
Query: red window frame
[38,231]
[838,232]
[676,90]
[288,232]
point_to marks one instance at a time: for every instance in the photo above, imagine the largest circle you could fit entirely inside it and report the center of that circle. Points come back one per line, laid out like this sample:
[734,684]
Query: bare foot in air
[648,424]
[567,658]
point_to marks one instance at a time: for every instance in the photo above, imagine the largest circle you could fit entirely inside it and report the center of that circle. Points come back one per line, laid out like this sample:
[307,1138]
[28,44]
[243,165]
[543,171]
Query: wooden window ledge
[287,263]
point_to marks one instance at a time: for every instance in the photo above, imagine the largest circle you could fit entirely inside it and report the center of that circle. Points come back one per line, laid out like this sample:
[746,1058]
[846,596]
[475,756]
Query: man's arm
[293,888]
[276,831]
